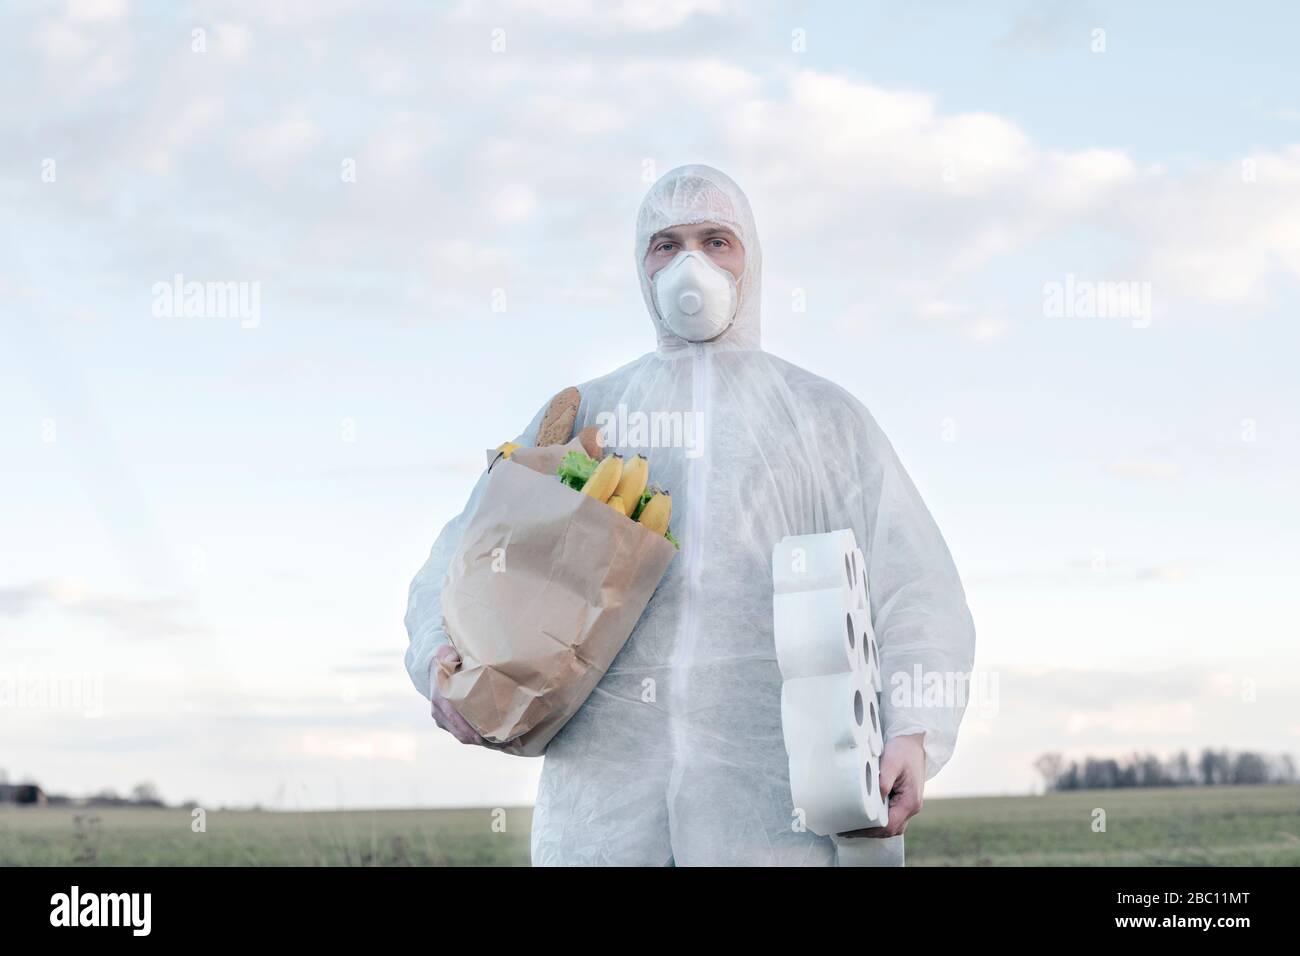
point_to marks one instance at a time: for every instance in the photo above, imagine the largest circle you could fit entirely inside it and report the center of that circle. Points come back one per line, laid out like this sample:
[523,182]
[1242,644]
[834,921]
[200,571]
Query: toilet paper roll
[866,637]
[826,713]
[817,632]
[831,789]
[813,562]
[869,660]
[858,564]
[839,791]
[877,805]
[874,735]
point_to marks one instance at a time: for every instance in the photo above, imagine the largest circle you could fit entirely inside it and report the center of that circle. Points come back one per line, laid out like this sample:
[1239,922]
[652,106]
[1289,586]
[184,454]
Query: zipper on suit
[697,483]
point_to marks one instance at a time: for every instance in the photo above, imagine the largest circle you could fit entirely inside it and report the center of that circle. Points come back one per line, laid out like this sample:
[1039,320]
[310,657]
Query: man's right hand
[444,714]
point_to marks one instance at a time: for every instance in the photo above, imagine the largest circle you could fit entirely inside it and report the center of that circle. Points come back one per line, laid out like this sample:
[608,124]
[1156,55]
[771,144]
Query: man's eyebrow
[673,232]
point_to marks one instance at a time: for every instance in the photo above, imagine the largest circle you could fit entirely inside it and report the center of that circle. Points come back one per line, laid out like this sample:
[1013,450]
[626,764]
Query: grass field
[1255,826]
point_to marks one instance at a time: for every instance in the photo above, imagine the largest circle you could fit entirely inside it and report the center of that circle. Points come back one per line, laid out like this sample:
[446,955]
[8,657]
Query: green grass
[138,837]
[1187,826]
[1248,826]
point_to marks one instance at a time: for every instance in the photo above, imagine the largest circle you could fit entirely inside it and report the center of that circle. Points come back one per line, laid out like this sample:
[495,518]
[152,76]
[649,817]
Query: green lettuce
[576,468]
[645,499]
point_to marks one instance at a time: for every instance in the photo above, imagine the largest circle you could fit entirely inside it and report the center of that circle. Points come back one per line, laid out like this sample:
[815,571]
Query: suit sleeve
[923,626]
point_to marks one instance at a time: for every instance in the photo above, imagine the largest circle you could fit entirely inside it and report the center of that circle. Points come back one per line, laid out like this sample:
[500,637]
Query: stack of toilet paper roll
[830,699]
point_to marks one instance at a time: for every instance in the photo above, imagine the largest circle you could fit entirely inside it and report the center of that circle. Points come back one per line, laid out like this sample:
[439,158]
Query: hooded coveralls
[677,756]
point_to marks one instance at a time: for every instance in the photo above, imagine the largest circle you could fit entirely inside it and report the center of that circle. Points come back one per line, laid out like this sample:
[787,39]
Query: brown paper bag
[540,597]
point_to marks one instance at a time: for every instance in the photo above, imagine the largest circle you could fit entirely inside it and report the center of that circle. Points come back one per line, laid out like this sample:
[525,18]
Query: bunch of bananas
[624,486]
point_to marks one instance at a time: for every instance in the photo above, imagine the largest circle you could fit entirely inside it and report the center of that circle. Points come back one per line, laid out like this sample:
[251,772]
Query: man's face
[715,241]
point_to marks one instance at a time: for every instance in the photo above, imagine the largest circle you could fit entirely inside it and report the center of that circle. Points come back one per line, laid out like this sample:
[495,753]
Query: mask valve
[696,299]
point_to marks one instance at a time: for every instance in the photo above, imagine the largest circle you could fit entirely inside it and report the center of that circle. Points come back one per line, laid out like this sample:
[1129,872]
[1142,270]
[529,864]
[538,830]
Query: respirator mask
[696,299]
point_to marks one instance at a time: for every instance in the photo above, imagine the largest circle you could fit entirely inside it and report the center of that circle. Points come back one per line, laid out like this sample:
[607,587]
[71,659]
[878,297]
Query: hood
[685,196]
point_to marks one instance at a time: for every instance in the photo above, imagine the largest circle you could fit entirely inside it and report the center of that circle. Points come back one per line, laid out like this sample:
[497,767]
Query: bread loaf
[557,423]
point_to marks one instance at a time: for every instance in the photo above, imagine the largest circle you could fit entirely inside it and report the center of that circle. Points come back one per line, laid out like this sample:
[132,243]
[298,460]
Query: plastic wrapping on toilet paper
[809,562]
[818,632]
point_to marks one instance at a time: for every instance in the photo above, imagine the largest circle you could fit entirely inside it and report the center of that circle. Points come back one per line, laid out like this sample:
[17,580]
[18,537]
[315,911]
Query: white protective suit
[677,757]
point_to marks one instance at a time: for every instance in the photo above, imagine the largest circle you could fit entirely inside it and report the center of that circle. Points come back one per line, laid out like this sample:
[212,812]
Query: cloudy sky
[209,523]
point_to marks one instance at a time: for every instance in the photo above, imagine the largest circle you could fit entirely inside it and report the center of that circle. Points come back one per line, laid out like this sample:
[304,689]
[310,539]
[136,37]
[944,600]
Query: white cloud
[1099,571]
[1145,468]
[932,198]
[373,745]
[127,615]
[82,55]
[277,146]
[513,202]
[643,83]
[987,329]
[1223,234]
[926,198]
[61,43]
[568,115]
[295,15]
[1137,720]
[231,40]
[96,11]
[636,15]
[396,150]
[176,129]
[872,144]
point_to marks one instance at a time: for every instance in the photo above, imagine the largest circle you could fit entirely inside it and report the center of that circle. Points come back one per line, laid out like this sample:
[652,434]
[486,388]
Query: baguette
[557,422]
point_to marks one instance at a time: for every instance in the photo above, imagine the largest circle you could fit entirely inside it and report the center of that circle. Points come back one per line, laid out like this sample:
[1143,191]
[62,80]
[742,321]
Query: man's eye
[665,246]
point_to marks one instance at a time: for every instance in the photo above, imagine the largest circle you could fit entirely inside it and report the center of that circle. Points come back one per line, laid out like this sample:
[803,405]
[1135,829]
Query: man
[677,757]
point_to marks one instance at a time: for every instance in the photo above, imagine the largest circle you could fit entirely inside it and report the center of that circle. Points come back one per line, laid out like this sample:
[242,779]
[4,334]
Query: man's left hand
[902,778]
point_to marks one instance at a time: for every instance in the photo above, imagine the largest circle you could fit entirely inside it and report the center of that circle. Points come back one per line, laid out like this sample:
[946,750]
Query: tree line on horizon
[1211,768]
[28,791]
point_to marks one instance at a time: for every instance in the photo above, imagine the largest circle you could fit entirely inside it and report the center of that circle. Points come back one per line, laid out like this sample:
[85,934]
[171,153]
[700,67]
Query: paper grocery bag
[541,595]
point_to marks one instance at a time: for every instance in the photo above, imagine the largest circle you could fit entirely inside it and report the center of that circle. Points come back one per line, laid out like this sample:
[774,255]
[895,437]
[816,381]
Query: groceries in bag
[623,486]
[547,584]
